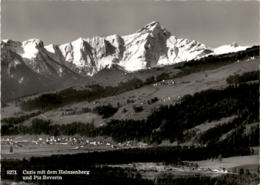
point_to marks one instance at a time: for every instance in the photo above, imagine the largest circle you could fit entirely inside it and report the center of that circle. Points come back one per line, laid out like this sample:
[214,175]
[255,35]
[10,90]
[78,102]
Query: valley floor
[26,146]
[250,161]
[205,168]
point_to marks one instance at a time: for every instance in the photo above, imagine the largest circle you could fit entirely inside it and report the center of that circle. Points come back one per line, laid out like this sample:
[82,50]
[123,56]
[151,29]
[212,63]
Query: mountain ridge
[150,46]
[30,62]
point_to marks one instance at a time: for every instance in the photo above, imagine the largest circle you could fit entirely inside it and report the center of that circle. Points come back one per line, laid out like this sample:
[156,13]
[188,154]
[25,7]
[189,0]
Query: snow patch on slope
[50,48]
[30,48]
[229,49]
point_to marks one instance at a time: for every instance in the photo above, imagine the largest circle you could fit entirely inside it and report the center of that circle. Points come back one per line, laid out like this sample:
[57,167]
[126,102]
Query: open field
[230,165]
[231,162]
[153,170]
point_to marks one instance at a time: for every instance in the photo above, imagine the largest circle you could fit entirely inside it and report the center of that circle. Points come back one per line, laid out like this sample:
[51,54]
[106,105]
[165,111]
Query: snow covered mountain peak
[31,48]
[150,26]
[78,54]
[34,41]
[14,46]
[150,46]
[153,29]
[230,48]
[79,42]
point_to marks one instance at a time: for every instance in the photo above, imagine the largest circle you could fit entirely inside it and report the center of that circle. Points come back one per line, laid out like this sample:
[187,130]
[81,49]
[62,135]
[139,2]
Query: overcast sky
[212,23]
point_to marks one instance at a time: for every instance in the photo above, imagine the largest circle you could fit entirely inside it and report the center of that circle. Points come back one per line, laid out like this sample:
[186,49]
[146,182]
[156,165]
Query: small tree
[241,171]
[247,172]
[220,158]
[11,149]
[138,108]
[233,80]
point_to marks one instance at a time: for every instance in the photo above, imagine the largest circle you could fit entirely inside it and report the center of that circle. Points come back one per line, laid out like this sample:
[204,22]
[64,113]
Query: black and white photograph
[130,92]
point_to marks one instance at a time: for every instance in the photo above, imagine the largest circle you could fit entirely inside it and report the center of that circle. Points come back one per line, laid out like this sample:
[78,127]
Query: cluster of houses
[251,58]
[168,98]
[164,82]
[52,140]
[76,141]
[212,170]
